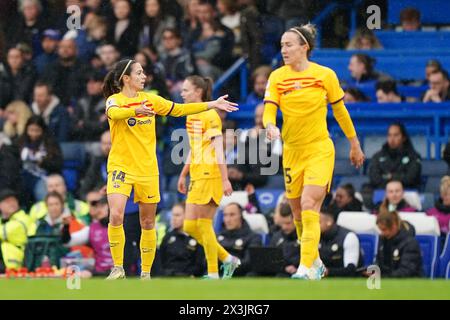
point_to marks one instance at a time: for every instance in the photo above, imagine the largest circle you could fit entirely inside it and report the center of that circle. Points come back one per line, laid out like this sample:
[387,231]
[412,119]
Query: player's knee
[147,223]
[309,203]
[116,216]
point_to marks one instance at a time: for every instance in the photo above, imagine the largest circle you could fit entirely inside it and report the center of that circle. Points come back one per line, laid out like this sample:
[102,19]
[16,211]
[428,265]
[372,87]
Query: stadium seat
[369,246]
[341,147]
[431,11]
[444,259]
[372,144]
[437,168]
[267,199]
[275,182]
[427,234]
[240,197]
[344,168]
[257,222]
[356,181]
[74,157]
[218,221]
[427,199]
[432,185]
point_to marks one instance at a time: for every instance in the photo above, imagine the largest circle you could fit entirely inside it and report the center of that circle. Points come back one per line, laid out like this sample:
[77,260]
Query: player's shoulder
[114,100]
[280,72]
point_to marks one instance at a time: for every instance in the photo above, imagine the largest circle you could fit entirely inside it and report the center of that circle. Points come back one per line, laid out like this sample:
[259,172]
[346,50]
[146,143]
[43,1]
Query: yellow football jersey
[201,128]
[302,98]
[133,149]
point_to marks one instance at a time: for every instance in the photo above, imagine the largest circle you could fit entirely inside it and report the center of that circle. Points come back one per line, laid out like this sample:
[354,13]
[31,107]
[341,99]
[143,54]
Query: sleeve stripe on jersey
[173,106]
[337,100]
[270,101]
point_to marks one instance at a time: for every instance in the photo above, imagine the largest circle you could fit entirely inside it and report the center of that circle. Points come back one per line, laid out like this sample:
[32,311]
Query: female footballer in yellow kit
[302,89]
[208,177]
[132,160]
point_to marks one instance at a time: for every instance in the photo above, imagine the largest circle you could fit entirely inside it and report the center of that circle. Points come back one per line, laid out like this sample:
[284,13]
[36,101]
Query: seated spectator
[96,234]
[439,87]
[251,39]
[344,200]
[155,82]
[55,183]
[67,75]
[386,91]
[397,160]
[230,17]
[123,31]
[364,39]
[286,239]
[90,117]
[354,95]
[259,79]
[399,254]
[48,106]
[49,43]
[176,60]
[6,89]
[22,75]
[40,155]
[431,67]
[10,164]
[339,248]
[394,199]
[410,19]
[362,71]
[180,254]
[441,210]
[16,226]
[17,114]
[236,237]
[155,20]
[109,56]
[294,13]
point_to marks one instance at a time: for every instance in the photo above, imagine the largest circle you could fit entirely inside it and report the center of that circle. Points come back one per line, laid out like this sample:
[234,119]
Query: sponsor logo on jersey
[132,122]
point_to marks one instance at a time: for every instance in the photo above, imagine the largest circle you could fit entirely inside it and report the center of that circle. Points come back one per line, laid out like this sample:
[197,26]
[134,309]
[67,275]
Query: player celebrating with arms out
[302,89]
[132,161]
[208,177]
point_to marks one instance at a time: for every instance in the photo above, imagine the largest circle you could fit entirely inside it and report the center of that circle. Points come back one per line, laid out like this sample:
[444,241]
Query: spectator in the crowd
[259,79]
[394,199]
[154,21]
[190,24]
[362,71]
[410,19]
[89,37]
[176,60]
[364,39]
[354,95]
[10,164]
[56,183]
[339,247]
[123,31]
[180,254]
[431,67]
[344,200]
[40,155]
[17,114]
[386,91]
[48,106]
[96,174]
[49,43]
[96,234]
[22,75]
[251,37]
[6,89]
[286,239]
[293,12]
[446,156]
[397,160]
[439,87]
[230,17]
[441,210]
[67,75]
[91,120]
[109,56]
[236,236]
[28,28]
[16,226]
[399,254]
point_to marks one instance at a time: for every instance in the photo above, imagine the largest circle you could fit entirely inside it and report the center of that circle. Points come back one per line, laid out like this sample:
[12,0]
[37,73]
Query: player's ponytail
[113,82]
[307,35]
[203,83]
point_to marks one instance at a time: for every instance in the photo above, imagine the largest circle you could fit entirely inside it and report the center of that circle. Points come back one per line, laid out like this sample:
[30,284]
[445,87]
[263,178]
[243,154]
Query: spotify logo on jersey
[132,122]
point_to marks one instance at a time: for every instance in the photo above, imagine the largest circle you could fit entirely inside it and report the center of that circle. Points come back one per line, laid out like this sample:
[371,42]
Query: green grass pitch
[250,289]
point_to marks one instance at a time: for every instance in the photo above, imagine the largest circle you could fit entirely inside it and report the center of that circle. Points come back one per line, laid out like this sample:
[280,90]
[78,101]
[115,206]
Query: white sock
[214,275]
[228,259]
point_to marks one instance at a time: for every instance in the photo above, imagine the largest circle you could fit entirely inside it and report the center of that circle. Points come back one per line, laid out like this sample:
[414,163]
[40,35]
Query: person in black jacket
[237,237]
[180,254]
[446,156]
[399,254]
[344,200]
[397,160]
[10,165]
[339,247]
[22,75]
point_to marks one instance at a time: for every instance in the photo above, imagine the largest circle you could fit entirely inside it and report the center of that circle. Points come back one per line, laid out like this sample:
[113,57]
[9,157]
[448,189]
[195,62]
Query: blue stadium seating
[218,221]
[432,185]
[74,155]
[431,11]
[427,200]
[343,167]
[437,168]
[429,246]
[168,199]
[275,182]
[356,181]
[444,259]
[267,199]
[369,246]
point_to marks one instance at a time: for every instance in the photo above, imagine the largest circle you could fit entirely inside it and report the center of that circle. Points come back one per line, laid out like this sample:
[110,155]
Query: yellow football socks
[310,237]
[116,237]
[210,244]
[148,249]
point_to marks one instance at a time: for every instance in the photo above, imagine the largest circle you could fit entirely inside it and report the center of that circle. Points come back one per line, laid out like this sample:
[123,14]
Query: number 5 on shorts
[287,175]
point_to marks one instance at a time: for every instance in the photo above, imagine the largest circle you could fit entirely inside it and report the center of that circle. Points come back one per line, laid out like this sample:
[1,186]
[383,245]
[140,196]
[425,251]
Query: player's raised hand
[223,104]
[273,133]
[181,185]
[144,110]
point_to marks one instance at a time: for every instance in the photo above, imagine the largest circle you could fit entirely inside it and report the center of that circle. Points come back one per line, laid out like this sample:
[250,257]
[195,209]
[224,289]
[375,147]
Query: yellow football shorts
[312,165]
[146,189]
[203,190]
